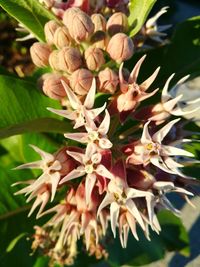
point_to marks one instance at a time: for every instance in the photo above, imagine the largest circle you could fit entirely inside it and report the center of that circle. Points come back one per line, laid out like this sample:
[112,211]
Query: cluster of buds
[117,173]
[77,52]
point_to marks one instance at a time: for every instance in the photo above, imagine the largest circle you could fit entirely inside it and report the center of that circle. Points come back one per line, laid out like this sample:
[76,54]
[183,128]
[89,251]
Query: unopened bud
[108,81]
[118,22]
[40,54]
[100,40]
[81,81]
[94,58]
[120,47]
[69,59]
[79,24]
[67,162]
[52,86]
[62,37]
[99,22]
[49,30]
[54,61]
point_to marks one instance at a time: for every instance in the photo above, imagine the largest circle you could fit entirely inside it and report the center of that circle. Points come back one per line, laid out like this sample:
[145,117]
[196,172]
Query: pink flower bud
[79,24]
[99,22]
[94,58]
[81,81]
[62,37]
[100,40]
[40,54]
[52,86]
[69,59]
[54,61]
[120,47]
[118,22]
[67,162]
[108,81]
[49,30]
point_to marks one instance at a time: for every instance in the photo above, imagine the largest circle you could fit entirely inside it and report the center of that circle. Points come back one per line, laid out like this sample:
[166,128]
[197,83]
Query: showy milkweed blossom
[122,156]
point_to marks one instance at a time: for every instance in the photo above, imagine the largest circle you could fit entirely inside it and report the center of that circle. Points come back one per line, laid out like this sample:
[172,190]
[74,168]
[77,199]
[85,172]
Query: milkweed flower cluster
[115,173]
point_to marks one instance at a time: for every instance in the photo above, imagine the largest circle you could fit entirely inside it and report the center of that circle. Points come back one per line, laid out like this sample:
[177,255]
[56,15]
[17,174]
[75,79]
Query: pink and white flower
[80,110]
[149,149]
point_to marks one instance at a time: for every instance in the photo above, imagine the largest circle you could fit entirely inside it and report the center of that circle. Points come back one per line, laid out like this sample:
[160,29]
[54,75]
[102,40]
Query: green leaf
[14,242]
[42,262]
[23,109]
[139,10]
[30,13]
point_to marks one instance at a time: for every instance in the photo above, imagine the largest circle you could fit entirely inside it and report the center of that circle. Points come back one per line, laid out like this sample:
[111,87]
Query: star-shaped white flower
[90,166]
[94,134]
[151,150]
[44,186]
[119,195]
[80,110]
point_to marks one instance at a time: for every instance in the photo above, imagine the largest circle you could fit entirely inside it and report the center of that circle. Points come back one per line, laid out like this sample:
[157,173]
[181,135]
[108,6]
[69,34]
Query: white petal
[73,99]
[71,115]
[159,136]
[169,105]
[175,151]
[89,185]
[104,143]
[79,137]
[77,156]
[32,165]
[89,100]
[102,171]
[72,175]
[130,205]
[146,138]
[105,124]
[44,155]
[108,199]
[165,95]
[114,215]
[55,178]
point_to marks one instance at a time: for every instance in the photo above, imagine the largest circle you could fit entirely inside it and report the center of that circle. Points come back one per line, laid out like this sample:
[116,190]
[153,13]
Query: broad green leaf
[139,10]
[30,13]
[23,109]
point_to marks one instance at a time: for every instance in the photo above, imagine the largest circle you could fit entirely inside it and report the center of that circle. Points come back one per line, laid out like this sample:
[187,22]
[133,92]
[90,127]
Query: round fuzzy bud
[118,22]
[52,86]
[40,54]
[99,22]
[94,58]
[49,30]
[81,81]
[79,24]
[69,59]
[54,61]
[108,81]
[100,40]
[120,47]
[62,37]
[67,162]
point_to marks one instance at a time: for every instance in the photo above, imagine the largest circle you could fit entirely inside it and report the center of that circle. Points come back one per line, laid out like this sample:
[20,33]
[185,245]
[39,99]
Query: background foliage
[25,120]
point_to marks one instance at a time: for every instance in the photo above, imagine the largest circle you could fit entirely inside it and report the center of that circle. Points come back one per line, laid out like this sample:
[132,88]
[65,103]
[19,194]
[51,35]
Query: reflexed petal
[93,113]
[170,104]
[130,205]
[73,99]
[147,83]
[105,124]
[101,170]
[89,185]
[151,22]
[175,151]
[147,95]
[32,165]
[161,165]
[134,74]
[180,112]
[72,175]
[44,155]
[132,224]
[114,215]
[133,193]
[159,136]
[77,156]
[165,95]
[79,137]
[162,185]
[105,143]
[55,178]
[108,199]
[146,138]
[183,191]
[90,97]
[90,151]
[71,115]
